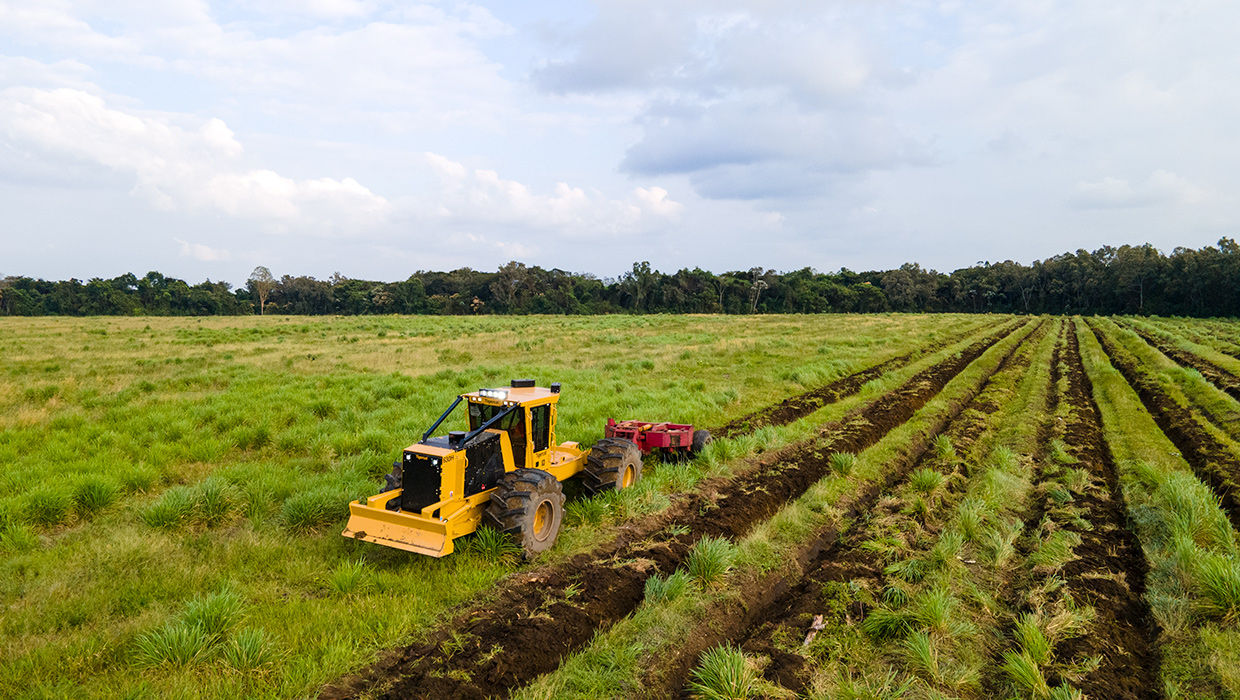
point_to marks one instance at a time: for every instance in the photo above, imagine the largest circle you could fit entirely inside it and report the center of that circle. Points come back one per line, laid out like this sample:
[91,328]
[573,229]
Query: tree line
[1123,280]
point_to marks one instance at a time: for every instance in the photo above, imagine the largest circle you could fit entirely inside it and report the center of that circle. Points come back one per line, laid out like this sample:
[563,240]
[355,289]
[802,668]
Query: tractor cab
[524,412]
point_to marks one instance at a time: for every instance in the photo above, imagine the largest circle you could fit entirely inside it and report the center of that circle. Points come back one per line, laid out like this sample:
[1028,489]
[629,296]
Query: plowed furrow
[802,405]
[774,604]
[537,619]
[1214,374]
[1210,460]
[1109,570]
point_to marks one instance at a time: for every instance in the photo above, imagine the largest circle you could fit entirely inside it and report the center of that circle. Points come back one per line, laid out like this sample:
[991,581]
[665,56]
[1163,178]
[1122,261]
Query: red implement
[649,436]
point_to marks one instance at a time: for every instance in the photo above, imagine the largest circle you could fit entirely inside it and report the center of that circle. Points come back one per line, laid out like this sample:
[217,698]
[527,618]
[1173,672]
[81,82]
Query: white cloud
[1161,187]
[482,196]
[419,61]
[182,166]
[656,200]
[201,252]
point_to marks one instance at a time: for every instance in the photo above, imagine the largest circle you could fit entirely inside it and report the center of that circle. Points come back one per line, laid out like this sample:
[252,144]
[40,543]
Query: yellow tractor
[505,472]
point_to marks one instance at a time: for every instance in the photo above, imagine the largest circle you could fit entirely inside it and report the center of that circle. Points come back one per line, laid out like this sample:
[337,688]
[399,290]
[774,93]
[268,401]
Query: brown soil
[802,405]
[1214,374]
[1109,568]
[1210,460]
[778,607]
[534,620]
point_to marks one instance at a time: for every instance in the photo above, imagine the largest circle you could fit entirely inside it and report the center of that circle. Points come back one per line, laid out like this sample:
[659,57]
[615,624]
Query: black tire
[528,506]
[613,463]
[701,438]
[391,482]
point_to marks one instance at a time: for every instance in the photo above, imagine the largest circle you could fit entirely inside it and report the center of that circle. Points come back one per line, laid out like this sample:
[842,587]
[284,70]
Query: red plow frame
[671,437]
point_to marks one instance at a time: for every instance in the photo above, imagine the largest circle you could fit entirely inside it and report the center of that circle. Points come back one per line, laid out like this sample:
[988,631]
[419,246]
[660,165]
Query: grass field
[956,506]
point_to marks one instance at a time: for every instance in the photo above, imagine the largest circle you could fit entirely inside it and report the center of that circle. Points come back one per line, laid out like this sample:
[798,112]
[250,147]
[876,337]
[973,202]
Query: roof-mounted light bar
[499,394]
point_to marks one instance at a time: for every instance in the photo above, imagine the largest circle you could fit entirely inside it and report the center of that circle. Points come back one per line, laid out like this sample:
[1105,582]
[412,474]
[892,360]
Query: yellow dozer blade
[412,532]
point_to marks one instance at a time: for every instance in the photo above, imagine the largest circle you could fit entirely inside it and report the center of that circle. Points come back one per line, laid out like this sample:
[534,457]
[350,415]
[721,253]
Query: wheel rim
[542,520]
[627,477]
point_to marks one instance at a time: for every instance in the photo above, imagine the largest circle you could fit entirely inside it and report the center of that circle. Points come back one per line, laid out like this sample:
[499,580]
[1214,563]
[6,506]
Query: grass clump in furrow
[660,589]
[724,673]
[711,559]
[842,463]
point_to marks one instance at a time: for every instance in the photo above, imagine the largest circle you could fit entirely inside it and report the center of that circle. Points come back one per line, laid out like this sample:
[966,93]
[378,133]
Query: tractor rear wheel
[528,506]
[613,463]
[701,438]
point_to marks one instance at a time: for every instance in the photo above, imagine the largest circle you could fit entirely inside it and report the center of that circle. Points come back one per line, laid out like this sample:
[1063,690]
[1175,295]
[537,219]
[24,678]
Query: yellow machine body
[456,502]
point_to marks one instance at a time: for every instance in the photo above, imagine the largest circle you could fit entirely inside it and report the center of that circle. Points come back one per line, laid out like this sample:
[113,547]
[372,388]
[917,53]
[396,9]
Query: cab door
[540,434]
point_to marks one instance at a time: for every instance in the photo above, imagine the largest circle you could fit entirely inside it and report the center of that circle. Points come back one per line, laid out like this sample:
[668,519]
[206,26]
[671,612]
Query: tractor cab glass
[513,423]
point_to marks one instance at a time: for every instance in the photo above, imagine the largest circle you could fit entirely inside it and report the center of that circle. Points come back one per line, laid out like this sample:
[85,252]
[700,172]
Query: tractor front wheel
[613,463]
[527,505]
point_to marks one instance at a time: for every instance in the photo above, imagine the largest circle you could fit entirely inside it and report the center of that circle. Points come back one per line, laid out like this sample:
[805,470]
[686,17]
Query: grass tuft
[1025,674]
[724,674]
[1032,640]
[215,614]
[883,624]
[252,650]
[93,493]
[662,590]
[15,537]
[1056,550]
[944,449]
[493,546]
[1218,578]
[588,511]
[999,542]
[710,560]
[350,577]
[925,481]
[216,500]
[970,516]
[171,510]
[47,506]
[842,463]
[314,509]
[175,644]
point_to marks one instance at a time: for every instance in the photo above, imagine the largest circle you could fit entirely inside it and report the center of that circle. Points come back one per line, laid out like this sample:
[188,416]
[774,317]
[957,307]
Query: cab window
[540,426]
[480,413]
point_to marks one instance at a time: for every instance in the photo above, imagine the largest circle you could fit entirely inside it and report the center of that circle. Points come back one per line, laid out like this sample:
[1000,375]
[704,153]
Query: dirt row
[844,561]
[761,598]
[535,619]
[1216,375]
[1211,461]
[801,405]
[1109,568]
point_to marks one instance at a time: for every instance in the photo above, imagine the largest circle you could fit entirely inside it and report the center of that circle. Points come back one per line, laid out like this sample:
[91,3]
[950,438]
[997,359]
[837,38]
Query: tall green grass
[189,455]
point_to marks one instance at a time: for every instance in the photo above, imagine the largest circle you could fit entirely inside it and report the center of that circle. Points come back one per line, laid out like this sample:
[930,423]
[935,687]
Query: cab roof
[514,395]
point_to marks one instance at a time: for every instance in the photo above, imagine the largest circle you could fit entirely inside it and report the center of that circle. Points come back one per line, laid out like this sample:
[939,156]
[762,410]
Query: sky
[375,139]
